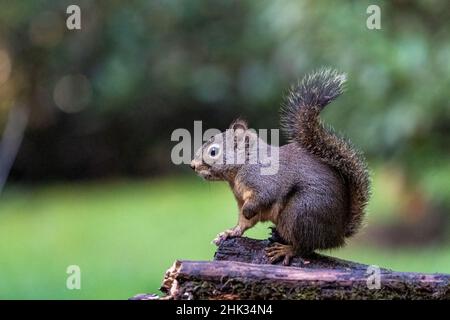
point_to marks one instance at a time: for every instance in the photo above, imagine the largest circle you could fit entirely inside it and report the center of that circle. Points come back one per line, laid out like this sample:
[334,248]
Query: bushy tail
[300,121]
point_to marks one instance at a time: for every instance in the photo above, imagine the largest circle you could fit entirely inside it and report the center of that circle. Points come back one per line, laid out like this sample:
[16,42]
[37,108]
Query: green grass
[125,234]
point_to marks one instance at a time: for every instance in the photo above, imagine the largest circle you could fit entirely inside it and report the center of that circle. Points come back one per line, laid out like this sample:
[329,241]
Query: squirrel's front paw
[234,232]
[220,237]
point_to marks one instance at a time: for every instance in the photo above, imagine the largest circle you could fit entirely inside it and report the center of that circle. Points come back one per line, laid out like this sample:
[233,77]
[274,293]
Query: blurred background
[86,118]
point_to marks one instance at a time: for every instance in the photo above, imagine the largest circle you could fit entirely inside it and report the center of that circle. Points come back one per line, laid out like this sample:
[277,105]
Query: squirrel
[317,197]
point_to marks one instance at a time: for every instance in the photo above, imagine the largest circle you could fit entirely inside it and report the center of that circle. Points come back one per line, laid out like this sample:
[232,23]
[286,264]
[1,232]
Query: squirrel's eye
[213,151]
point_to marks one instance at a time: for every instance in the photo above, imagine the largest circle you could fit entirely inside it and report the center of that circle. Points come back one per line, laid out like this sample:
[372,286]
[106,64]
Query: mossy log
[240,270]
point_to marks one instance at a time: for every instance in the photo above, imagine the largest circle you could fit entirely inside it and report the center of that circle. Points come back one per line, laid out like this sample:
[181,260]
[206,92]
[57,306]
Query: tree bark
[240,270]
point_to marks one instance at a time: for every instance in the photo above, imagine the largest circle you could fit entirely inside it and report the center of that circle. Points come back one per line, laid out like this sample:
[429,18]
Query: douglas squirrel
[318,195]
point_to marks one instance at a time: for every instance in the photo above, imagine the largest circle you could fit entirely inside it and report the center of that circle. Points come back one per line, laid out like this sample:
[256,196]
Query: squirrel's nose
[192,165]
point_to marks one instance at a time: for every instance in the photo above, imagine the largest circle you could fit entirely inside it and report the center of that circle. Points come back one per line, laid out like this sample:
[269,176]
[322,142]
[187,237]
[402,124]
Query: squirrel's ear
[239,124]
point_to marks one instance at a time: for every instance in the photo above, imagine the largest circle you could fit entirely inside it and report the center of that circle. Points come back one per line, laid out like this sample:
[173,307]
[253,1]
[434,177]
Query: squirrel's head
[222,155]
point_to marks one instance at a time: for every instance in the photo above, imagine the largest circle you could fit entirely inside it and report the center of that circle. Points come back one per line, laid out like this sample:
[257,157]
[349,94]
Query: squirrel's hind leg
[279,251]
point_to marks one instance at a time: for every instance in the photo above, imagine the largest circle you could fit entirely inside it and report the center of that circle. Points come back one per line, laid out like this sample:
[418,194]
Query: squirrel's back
[300,121]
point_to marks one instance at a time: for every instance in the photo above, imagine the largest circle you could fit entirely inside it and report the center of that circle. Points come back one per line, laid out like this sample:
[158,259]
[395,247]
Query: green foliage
[172,62]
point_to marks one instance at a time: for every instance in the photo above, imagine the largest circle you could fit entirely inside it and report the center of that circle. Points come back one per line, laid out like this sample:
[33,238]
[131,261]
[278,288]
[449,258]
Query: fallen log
[240,270]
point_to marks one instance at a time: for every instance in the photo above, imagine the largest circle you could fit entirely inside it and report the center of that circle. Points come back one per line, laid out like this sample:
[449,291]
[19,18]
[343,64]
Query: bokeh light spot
[72,93]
